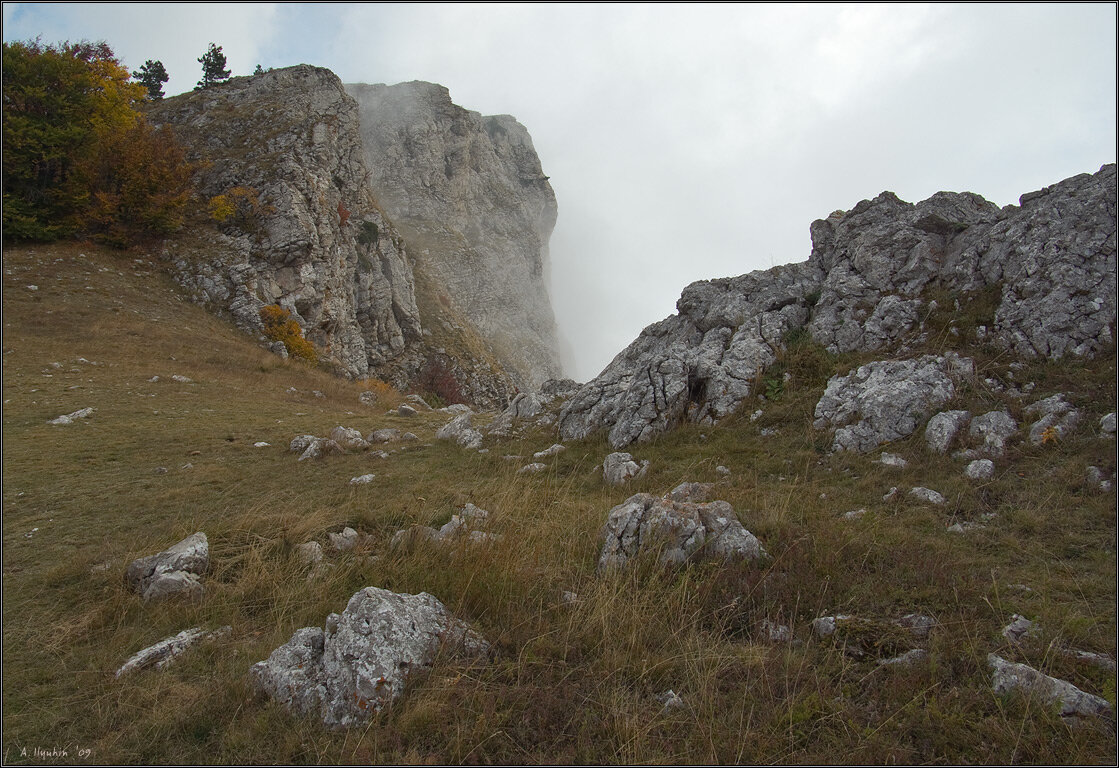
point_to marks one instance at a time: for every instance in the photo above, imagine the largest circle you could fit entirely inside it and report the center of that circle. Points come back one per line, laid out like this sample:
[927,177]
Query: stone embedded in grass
[349,439]
[892,460]
[1019,628]
[1097,480]
[776,633]
[316,448]
[362,479]
[909,657]
[994,428]
[344,541]
[723,471]
[927,494]
[387,435]
[980,469]
[532,469]
[943,428]
[670,700]
[261,444]
[363,659]
[1107,425]
[182,379]
[552,451]
[174,571]
[406,410]
[854,514]
[617,468]
[1058,418]
[161,654]
[70,418]
[309,552]
[459,430]
[675,531]
[1048,690]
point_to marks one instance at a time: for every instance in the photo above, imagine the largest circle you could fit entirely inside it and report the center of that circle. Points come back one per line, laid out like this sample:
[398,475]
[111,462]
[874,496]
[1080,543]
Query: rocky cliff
[283,150]
[470,197]
[1035,280]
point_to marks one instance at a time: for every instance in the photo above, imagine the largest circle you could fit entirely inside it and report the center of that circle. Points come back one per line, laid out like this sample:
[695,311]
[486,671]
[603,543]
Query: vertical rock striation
[470,197]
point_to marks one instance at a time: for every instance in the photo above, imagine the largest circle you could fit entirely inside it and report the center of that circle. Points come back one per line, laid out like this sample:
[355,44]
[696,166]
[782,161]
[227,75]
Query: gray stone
[387,435]
[349,439]
[161,654]
[1107,425]
[917,623]
[460,431]
[942,429]
[695,492]
[532,469]
[825,626]
[721,470]
[547,452]
[406,410]
[1020,627]
[364,658]
[776,633]
[980,469]
[309,552]
[1097,479]
[368,398]
[909,657]
[670,700]
[1057,419]
[617,468]
[675,532]
[928,495]
[176,570]
[320,447]
[362,479]
[892,460]
[344,541]
[70,418]
[1047,690]
[885,401]
[994,429]
[854,514]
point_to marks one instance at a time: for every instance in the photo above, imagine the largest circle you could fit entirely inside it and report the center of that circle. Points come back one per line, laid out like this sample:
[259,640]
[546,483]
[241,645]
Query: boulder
[675,531]
[386,435]
[1048,690]
[320,447]
[929,495]
[176,570]
[1107,425]
[942,429]
[344,541]
[364,657]
[1058,418]
[885,401]
[617,468]
[980,469]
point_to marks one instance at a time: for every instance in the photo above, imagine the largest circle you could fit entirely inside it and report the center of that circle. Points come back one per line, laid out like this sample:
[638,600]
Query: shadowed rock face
[317,243]
[470,197]
[1050,264]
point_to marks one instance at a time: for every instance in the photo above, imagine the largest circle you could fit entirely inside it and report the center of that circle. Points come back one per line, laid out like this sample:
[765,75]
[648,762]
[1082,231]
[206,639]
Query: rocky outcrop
[176,570]
[1039,279]
[469,195]
[362,660]
[1072,702]
[282,150]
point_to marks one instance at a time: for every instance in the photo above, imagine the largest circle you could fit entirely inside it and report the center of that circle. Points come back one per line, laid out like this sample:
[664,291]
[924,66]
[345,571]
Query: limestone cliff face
[284,148]
[470,198]
[1040,278]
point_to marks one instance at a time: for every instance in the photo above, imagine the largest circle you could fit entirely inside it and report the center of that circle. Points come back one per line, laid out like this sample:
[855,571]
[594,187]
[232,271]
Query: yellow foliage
[221,208]
[1050,435]
[279,326]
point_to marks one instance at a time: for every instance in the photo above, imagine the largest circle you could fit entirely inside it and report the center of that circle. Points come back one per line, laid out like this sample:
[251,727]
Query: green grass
[567,682]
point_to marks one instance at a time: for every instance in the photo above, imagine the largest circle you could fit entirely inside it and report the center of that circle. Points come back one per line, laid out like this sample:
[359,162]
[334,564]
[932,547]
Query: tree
[213,67]
[258,71]
[152,76]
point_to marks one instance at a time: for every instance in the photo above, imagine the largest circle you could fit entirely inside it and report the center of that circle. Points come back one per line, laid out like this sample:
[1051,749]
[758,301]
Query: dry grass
[569,682]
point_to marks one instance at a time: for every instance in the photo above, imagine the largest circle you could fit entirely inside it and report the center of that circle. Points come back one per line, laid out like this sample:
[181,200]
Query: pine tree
[213,67]
[152,76]
[258,71]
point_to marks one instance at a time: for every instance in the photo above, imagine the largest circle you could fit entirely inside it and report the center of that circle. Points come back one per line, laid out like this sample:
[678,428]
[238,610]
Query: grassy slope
[568,682]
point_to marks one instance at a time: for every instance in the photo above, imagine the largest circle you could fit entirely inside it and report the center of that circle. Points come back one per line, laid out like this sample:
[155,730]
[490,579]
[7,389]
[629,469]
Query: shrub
[279,326]
[438,378]
[239,207]
[369,233]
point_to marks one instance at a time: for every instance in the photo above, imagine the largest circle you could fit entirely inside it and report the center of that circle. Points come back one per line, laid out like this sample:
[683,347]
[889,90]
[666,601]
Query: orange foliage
[279,326]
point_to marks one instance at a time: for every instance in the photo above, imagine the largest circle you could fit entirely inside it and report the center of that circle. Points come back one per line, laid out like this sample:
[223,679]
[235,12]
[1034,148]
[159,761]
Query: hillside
[580,677]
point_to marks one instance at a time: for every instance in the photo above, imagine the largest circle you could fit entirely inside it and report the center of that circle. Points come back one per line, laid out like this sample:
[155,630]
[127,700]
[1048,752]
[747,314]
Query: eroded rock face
[885,401]
[472,191]
[286,147]
[1048,266]
[363,658]
[675,530]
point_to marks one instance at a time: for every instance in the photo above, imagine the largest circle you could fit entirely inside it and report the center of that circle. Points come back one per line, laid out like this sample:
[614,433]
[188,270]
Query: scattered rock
[909,657]
[694,492]
[300,443]
[617,468]
[884,401]
[1057,419]
[776,633]
[532,469]
[569,598]
[309,552]
[1097,479]
[721,470]
[980,469]
[1107,425]
[547,452]
[460,431]
[927,494]
[349,439]
[363,659]
[175,570]
[362,479]
[994,428]
[261,444]
[675,531]
[406,410]
[383,436]
[368,398]
[891,494]
[418,402]
[942,429]
[892,460]
[670,701]
[854,514]
[825,626]
[182,379]
[164,652]
[917,623]
[70,418]
[1020,627]
[319,448]
[344,541]
[1048,690]
[160,470]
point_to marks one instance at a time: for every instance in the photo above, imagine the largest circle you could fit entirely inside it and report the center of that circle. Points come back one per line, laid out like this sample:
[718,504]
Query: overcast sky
[690,142]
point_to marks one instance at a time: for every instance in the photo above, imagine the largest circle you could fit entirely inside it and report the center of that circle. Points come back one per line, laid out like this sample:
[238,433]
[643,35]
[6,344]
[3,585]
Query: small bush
[279,326]
[239,207]
[438,379]
[369,233]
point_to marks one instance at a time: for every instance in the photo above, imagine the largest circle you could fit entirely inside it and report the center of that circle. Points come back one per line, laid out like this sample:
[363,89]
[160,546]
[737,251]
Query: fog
[696,141]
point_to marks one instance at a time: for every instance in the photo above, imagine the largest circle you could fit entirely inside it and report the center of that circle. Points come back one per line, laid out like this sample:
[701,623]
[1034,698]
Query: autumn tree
[77,151]
[152,76]
[213,67]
